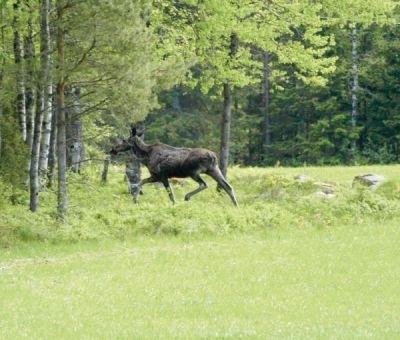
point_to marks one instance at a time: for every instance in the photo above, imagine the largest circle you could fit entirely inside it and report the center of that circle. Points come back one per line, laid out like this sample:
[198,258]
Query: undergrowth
[269,198]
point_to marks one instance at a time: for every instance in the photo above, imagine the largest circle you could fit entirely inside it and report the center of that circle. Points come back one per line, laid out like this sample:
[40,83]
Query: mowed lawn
[341,283]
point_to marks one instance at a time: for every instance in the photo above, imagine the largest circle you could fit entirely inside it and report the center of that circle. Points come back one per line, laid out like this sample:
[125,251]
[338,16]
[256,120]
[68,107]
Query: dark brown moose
[165,161]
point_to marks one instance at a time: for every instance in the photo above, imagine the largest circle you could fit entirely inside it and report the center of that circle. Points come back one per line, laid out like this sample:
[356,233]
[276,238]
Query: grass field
[287,264]
[295,284]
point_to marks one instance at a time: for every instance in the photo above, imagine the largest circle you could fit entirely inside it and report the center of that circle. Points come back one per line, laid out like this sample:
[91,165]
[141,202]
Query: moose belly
[180,171]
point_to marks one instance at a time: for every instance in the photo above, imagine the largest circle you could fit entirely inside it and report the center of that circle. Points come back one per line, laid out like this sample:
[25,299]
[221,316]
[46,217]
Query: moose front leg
[168,187]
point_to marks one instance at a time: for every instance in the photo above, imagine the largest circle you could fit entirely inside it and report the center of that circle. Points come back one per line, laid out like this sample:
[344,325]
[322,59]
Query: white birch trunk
[29,54]
[62,198]
[74,129]
[34,164]
[45,41]
[52,148]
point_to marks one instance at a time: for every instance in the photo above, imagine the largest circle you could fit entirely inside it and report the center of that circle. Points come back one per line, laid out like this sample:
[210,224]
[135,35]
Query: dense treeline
[263,82]
[307,123]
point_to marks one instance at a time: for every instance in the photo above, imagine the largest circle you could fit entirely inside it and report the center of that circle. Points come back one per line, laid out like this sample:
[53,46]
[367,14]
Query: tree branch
[83,57]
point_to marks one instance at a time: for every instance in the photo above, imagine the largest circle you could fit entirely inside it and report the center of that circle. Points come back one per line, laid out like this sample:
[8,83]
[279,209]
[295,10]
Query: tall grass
[269,198]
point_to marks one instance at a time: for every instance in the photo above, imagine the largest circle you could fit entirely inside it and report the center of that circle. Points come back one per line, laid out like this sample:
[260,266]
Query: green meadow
[287,264]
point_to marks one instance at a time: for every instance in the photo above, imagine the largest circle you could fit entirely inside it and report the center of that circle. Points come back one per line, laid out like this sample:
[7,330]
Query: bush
[269,199]
[14,160]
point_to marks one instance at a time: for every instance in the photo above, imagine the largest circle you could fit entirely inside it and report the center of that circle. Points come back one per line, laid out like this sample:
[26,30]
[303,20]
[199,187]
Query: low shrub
[269,199]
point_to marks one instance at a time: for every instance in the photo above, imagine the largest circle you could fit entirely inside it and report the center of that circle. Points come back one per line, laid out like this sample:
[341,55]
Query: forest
[261,84]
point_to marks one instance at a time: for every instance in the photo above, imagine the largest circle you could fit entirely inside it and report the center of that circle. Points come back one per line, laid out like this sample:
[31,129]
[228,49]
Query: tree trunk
[62,200]
[250,131]
[74,130]
[34,165]
[133,175]
[226,129]
[29,55]
[20,102]
[52,147]
[104,174]
[227,113]
[47,90]
[354,89]
[133,167]
[176,104]
[266,130]
[2,67]
[1,108]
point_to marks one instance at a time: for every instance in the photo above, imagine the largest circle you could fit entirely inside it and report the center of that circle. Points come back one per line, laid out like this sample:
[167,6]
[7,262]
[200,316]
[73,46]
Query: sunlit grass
[340,283]
[287,264]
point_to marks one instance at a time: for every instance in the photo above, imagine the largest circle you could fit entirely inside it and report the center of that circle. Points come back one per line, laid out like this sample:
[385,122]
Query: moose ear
[133,131]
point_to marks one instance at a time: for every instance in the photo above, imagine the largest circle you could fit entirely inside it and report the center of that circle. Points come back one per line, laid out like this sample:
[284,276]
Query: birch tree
[62,198]
[20,97]
[42,86]
[47,90]
[354,15]
[108,60]
[29,63]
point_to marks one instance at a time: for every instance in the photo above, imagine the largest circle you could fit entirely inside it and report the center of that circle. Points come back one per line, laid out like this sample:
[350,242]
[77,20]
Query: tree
[290,31]
[20,98]
[62,199]
[266,127]
[356,15]
[47,90]
[2,69]
[114,72]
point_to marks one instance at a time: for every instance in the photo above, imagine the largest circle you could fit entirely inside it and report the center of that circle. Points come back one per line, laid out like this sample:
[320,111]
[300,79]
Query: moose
[165,161]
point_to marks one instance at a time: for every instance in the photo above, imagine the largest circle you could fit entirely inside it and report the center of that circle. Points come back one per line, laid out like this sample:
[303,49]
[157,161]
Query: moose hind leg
[168,187]
[219,178]
[202,186]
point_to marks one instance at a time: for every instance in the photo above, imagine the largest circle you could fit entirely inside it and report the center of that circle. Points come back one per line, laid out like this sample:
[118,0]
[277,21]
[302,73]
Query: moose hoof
[187,198]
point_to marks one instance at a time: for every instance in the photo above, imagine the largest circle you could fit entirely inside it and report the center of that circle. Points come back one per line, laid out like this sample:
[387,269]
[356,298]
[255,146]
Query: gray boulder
[370,180]
[302,178]
[323,194]
[324,189]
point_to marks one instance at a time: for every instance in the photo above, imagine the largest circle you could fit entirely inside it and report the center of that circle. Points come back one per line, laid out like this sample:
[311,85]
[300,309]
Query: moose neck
[141,149]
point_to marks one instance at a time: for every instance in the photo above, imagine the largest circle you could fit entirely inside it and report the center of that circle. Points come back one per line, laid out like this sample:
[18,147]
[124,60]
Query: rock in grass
[323,194]
[302,178]
[370,180]
[326,188]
